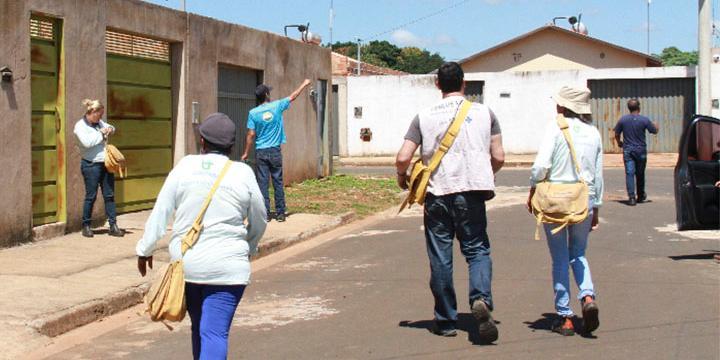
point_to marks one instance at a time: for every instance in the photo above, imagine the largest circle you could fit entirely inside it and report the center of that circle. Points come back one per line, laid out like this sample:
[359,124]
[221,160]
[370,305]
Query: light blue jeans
[567,249]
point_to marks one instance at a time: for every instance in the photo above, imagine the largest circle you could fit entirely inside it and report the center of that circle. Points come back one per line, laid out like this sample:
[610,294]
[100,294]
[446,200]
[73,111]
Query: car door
[697,198]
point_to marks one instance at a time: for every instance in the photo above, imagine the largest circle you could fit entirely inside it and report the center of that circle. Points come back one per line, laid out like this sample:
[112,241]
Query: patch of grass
[339,194]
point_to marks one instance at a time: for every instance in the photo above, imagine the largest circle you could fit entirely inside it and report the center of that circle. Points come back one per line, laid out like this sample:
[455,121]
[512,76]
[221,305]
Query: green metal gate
[236,97]
[139,105]
[48,125]
[666,101]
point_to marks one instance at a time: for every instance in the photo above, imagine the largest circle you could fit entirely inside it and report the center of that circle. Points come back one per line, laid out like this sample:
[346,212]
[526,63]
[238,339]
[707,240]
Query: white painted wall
[715,87]
[389,103]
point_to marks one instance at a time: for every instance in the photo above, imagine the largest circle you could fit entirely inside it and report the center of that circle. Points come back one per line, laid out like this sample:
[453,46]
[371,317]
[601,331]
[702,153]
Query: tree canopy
[672,56]
[382,53]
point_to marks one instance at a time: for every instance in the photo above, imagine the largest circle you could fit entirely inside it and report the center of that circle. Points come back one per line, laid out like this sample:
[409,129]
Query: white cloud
[405,38]
[444,39]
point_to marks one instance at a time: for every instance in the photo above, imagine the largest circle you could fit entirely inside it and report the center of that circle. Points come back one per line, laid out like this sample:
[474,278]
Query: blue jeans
[635,161]
[269,164]
[460,215]
[211,309]
[95,174]
[567,249]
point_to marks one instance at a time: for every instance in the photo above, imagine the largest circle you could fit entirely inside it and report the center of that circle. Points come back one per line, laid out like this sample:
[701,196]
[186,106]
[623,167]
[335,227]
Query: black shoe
[280,217]
[487,330]
[632,201]
[87,231]
[642,198]
[590,313]
[435,329]
[563,326]
[116,231]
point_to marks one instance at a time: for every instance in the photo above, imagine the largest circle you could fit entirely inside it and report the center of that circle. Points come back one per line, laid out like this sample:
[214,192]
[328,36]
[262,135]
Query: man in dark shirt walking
[632,128]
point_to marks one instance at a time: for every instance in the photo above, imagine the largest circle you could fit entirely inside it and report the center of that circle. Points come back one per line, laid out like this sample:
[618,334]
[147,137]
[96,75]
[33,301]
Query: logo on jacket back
[267,116]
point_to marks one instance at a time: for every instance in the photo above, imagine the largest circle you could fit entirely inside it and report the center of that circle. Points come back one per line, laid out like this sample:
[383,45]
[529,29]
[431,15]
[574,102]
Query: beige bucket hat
[575,99]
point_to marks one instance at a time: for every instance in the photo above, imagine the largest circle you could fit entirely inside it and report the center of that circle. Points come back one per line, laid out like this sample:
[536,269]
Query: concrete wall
[198,44]
[388,105]
[553,50]
[521,102]
[715,89]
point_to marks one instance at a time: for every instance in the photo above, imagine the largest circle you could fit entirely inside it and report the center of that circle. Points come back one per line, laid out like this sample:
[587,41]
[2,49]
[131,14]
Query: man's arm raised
[299,90]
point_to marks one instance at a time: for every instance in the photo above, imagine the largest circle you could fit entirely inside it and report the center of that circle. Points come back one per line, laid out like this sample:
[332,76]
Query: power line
[417,20]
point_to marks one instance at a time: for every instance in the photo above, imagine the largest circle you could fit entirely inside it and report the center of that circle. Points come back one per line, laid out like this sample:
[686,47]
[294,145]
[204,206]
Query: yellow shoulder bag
[420,175]
[557,203]
[165,300]
[115,161]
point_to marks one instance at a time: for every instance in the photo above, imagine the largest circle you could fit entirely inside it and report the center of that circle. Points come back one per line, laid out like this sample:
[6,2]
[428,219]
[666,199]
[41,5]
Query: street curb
[269,247]
[60,322]
[65,320]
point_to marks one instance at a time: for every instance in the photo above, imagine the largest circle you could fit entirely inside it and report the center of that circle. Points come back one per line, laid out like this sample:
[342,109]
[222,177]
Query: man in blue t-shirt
[266,123]
[632,127]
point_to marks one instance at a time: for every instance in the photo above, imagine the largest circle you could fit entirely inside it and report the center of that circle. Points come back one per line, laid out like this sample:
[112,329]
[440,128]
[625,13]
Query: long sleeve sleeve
[598,185]
[543,160]
[256,215]
[104,124]
[156,224]
[87,136]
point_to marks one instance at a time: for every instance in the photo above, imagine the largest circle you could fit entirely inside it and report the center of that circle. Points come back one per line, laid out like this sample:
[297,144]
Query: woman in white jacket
[554,164]
[217,267]
[92,133]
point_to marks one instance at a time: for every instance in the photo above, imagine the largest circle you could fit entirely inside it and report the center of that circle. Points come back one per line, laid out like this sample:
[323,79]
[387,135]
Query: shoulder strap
[450,135]
[197,225]
[562,123]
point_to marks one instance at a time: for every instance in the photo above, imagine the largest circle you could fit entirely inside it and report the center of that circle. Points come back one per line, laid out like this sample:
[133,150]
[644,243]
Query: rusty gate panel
[139,105]
[47,121]
[665,101]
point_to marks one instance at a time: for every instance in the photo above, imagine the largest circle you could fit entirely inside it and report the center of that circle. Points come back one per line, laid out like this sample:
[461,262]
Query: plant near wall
[672,56]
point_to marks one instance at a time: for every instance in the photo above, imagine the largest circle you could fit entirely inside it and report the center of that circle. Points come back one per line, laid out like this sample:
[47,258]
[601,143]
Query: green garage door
[47,99]
[139,105]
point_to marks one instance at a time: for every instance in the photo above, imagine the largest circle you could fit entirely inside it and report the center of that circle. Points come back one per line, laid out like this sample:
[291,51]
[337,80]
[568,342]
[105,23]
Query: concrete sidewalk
[53,286]
[655,160]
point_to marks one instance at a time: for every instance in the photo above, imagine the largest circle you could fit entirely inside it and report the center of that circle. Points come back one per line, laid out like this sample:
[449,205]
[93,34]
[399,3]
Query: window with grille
[136,46]
[41,29]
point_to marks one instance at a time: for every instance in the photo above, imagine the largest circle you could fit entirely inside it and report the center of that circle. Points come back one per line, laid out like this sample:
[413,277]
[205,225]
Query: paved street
[364,294]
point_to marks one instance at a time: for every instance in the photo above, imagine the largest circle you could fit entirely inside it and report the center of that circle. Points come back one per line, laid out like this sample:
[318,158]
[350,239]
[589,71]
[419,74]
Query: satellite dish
[580,28]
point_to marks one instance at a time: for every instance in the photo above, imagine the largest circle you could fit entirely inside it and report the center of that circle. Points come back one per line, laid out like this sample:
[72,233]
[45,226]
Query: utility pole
[704,54]
[183,6]
[359,42]
[332,17]
[648,26]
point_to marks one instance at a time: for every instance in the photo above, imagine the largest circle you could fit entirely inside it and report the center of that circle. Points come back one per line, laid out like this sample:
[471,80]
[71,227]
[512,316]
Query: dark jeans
[211,309]
[95,174]
[635,161]
[460,215]
[269,164]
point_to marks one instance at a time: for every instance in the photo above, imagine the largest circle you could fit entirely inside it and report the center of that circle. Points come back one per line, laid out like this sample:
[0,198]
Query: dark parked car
[697,195]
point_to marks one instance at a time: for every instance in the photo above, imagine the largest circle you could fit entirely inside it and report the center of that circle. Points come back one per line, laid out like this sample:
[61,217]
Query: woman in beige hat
[554,164]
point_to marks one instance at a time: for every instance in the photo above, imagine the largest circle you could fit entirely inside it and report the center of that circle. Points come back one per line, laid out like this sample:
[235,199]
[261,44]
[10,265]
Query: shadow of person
[465,322]
[547,320]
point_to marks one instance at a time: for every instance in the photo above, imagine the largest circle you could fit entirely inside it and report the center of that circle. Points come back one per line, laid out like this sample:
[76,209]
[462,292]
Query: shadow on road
[547,320]
[466,322]
[707,255]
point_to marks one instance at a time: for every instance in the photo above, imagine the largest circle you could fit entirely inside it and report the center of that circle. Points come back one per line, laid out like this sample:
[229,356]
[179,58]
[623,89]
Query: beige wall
[285,63]
[553,50]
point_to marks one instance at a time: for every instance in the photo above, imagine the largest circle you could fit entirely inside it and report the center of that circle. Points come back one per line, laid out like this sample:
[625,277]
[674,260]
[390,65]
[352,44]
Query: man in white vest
[455,200]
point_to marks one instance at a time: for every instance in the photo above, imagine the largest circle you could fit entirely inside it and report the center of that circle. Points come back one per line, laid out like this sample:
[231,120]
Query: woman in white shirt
[217,267]
[554,164]
[92,133]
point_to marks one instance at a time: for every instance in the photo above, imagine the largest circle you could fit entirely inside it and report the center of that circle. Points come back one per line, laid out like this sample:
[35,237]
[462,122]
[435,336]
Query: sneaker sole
[591,320]
[487,330]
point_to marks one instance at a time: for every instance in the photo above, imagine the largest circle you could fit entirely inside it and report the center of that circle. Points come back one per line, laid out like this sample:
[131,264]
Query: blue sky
[464,27]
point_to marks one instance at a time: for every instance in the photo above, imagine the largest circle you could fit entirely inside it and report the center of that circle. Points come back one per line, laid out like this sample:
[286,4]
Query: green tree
[416,61]
[382,53]
[672,56]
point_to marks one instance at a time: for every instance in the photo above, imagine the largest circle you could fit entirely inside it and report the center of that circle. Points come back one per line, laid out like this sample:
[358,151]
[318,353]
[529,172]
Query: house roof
[651,60]
[344,65]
